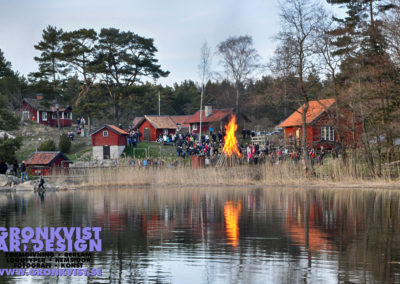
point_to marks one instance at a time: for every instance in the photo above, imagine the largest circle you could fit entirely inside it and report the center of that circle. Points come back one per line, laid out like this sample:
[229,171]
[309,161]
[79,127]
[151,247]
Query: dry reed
[284,174]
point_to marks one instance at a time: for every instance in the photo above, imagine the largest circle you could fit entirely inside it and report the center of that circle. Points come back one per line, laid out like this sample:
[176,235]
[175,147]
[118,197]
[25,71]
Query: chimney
[208,110]
[39,97]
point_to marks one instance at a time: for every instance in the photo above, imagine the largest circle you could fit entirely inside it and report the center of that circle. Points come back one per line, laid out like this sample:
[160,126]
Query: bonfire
[231,144]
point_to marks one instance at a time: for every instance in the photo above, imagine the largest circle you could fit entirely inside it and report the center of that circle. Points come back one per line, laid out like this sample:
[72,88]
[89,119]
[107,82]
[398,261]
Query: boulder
[8,180]
[25,186]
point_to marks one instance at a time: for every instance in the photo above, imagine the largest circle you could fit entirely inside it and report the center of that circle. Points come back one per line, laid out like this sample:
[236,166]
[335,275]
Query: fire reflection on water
[232,214]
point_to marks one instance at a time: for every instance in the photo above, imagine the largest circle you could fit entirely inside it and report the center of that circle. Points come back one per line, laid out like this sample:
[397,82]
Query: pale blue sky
[179,27]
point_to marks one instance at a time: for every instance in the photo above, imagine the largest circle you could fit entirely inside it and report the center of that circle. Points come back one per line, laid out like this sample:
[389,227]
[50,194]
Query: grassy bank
[285,174]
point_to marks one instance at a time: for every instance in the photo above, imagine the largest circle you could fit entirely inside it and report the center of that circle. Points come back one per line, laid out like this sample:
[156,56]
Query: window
[327,133]
[54,115]
[165,131]
[105,133]
[25,115]
[44,116]
[67,115]
[194,127]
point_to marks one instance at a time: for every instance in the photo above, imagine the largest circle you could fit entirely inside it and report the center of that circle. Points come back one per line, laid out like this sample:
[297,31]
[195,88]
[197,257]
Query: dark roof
[39,106]
[44,158]
[315,109]
[112,128]
[216,115]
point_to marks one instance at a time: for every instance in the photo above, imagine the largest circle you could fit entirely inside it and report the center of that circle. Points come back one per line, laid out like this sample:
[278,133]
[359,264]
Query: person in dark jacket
[15,168]
[3,167]
[41,183]
[23,172]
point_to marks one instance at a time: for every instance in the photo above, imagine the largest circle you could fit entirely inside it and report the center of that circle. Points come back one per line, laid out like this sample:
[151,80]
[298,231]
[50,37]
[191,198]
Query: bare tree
[240,60]
[282,64]
[205,74]
[300,20]
[391,31]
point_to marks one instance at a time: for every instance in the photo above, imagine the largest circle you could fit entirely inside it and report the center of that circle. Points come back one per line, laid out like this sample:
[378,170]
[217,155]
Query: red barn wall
[153,132]
[327,119]
[112,139]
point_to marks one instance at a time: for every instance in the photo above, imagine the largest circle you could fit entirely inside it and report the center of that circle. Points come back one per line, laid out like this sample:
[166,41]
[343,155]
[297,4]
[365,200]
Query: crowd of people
[211,146]
[134,137]
[14,169]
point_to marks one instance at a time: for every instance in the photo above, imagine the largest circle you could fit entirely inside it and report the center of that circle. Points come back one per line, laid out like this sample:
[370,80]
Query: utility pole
[159,103]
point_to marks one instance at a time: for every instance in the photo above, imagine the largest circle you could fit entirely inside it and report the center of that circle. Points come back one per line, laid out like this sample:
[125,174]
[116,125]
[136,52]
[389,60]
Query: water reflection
[225,235]
[232,213]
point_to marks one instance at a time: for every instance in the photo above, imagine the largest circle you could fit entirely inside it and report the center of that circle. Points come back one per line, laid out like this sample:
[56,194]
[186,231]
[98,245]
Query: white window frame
[54,115]
[327,133]
[44,115]
[67,115]
[194,126]
[331,133]
[26,115]
[105,133]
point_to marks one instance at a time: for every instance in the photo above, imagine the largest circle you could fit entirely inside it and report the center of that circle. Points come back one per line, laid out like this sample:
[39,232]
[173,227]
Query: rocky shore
[10,183]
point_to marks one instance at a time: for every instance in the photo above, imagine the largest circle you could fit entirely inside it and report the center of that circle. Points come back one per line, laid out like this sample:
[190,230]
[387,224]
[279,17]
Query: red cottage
[47,163]
[321,124]
[152,126]
[210,118]
[108,142]
[32,109]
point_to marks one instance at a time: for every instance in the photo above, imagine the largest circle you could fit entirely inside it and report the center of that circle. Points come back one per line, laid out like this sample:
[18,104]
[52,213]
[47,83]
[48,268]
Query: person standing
[15,168]
[3,167]
[83,122]
[23,172]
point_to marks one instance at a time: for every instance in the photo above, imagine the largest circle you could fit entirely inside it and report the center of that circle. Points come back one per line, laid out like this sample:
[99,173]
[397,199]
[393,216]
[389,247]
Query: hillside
[33,134]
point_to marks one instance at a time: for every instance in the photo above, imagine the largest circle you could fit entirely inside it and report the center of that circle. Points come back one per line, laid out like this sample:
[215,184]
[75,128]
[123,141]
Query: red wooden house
[321,123]
[47,163]
[35,110]
[153,126]
[210,118]
[108,142]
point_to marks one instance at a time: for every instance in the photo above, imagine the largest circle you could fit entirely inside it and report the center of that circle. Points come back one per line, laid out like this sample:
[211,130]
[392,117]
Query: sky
[179,27]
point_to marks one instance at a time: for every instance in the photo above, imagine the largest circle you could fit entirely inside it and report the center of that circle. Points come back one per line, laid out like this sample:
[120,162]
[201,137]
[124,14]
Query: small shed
[153,126]
[47,163]
[108,142]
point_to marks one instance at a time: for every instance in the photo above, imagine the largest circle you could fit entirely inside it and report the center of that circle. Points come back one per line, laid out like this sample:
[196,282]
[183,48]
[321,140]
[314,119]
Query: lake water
[223,235]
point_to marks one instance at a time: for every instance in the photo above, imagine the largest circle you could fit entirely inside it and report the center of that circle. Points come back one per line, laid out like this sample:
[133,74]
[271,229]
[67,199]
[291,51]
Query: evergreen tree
[124,59]
[51,65]
[5,66]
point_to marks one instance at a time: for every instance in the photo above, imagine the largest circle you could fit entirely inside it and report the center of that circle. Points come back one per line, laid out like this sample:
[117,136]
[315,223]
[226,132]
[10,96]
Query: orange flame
[232,214]
[230,146]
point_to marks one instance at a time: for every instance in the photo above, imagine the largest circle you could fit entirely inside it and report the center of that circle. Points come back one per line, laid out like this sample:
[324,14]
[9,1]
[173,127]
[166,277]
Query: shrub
[65,143]
[47,145]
